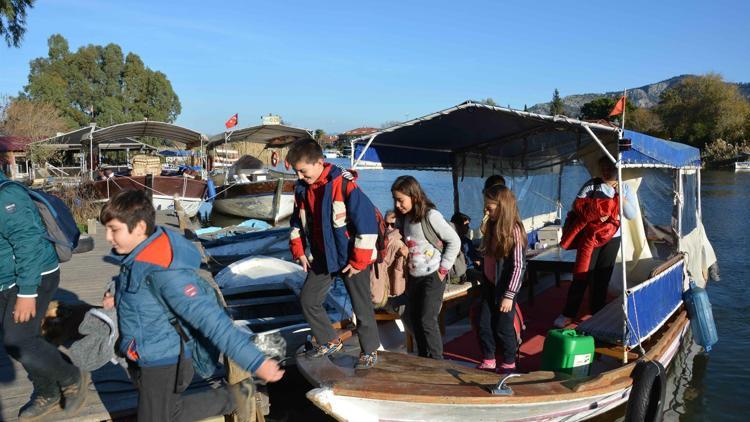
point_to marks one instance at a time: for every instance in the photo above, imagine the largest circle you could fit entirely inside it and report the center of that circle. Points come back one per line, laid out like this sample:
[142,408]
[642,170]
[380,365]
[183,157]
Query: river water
[700,386]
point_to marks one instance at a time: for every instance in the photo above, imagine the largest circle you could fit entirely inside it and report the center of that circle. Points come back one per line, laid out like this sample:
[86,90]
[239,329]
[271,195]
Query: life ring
[274,158]
[646,402]
[287,165]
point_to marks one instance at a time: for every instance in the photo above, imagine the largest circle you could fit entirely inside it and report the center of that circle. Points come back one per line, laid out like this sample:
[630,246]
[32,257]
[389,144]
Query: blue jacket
[348,223]
[169,262]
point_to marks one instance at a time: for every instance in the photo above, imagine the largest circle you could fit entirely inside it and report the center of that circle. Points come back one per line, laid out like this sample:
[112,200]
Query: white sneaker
[562,321]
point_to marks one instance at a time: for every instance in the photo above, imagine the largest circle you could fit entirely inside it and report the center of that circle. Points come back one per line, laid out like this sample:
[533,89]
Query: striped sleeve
[517,267]
[362,214]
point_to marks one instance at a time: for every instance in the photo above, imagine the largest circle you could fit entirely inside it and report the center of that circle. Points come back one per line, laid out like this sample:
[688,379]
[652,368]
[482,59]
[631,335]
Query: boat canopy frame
[474,139]
[93,135]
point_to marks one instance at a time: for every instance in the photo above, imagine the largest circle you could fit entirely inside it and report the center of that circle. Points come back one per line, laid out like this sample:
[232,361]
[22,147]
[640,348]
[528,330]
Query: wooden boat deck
[399,377]
[111,394]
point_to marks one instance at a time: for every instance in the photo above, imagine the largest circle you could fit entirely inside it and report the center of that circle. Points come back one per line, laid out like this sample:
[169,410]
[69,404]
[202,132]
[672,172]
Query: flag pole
[624,106]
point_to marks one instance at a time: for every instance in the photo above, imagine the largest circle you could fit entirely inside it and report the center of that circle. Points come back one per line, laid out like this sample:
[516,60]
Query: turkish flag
[619,107]
[232,122]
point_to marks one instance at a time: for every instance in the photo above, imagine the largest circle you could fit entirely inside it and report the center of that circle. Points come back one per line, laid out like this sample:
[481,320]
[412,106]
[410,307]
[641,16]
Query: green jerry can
[567,351]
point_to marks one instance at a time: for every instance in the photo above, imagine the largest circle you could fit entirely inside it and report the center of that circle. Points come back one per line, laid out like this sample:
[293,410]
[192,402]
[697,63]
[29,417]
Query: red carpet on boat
[538,319]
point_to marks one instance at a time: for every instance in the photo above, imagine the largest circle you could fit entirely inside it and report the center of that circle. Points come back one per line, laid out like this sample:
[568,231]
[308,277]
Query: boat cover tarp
[498,139]
[654,151]
[175,153]
[650,304]
[120,131]
[275,136]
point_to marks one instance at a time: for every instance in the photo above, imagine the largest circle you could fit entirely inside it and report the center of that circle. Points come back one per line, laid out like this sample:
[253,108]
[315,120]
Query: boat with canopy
[539,155]
[249,189]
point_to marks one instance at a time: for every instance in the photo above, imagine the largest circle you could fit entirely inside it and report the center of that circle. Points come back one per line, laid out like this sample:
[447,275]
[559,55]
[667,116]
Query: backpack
[381,244]
[59,223]
[205,355]
[459,265]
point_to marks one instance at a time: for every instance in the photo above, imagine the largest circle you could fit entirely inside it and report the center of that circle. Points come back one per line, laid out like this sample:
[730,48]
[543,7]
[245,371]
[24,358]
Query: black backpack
[59,223]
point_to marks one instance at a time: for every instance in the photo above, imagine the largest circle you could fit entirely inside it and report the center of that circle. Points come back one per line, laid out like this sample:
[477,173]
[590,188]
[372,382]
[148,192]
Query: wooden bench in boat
[454,295]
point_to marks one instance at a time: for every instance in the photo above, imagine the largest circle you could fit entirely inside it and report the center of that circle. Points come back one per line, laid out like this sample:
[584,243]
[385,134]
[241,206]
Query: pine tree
[556,107]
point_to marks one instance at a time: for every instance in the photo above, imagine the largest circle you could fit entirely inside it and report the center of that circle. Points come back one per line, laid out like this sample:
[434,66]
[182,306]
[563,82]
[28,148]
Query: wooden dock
[111,394]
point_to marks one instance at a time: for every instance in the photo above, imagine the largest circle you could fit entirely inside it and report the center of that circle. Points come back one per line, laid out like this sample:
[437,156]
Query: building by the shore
[13,156]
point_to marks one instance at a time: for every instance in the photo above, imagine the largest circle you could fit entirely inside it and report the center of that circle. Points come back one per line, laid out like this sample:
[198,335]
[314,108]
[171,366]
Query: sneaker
[487,364]
[74,395]
[38,407]
[243,396]
[326,349]
[562,321]
[367,360]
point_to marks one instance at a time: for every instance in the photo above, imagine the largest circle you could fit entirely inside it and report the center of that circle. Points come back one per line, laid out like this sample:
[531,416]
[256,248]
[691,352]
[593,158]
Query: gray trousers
[313,295]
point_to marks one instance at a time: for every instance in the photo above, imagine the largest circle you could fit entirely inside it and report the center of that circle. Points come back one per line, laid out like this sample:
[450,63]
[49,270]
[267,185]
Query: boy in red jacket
[341,231]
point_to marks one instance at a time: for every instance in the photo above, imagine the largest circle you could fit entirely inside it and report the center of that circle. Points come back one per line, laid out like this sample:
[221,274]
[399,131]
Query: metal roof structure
[92,134]
[273,136]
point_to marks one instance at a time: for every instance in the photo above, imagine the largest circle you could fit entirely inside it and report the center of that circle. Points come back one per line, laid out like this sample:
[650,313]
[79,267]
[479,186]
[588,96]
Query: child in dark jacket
[504,250]
[341,230]
[158,276]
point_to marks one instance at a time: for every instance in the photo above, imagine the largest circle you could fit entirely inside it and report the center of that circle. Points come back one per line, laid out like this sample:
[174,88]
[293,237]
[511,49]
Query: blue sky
[338,65]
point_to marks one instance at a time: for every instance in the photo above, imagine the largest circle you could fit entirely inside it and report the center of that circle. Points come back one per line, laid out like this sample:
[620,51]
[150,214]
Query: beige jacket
[388,278]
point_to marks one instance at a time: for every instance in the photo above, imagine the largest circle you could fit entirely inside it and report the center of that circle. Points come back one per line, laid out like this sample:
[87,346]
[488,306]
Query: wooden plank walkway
[111,394]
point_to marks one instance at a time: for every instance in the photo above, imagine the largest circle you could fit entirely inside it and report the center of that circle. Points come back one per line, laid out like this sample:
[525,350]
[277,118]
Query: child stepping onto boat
[341,230]
[504,253]
[428,266]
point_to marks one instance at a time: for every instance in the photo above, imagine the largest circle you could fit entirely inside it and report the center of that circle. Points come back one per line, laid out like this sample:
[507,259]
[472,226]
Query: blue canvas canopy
[649,150]
[175,153]
[481,139]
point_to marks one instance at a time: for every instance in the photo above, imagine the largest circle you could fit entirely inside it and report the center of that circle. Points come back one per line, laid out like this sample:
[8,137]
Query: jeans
[425,298]
[496,326]
[45,365]
[158,401]
[313,295]
[600,271]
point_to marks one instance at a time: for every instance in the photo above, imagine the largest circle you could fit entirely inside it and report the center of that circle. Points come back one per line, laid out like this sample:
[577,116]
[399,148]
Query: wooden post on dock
[277,200]
[181,217]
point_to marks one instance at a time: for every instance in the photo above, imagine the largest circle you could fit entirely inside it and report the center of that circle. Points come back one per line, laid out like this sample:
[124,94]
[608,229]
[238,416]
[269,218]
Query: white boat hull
[163,202]
[346,408]
[350,408]
[259,206]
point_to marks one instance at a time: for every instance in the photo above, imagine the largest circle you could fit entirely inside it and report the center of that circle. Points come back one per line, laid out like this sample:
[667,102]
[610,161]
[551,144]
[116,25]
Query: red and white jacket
[340,229]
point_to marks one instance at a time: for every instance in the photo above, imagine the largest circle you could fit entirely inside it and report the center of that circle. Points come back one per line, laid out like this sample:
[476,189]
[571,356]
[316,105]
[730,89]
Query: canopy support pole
[623,262]
[601,145]
[364,150]
[456,194]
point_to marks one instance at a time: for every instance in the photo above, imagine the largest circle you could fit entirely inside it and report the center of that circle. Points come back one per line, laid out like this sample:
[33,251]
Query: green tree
[13,20]
[556,106]
[97,83]
[644,121]
[701,109]
[488,101]
[319,134]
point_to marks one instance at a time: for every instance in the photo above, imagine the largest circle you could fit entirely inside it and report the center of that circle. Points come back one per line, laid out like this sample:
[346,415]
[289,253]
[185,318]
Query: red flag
[619,107]
[232,122]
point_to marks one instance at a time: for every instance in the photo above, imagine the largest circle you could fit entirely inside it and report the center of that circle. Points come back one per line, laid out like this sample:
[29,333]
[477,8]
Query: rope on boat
[184,187]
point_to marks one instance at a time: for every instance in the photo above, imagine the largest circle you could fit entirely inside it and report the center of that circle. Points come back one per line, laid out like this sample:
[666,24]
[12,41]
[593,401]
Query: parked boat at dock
[250,189]
[636,336]
[262,293]
[742,166]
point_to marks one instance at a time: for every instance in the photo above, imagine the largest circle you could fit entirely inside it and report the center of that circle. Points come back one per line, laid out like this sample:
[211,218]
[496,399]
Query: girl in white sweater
[428,263]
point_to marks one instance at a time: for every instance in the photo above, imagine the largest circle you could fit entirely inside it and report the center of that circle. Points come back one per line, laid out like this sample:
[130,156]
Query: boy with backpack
[169,316]
[336,220]
[29,276]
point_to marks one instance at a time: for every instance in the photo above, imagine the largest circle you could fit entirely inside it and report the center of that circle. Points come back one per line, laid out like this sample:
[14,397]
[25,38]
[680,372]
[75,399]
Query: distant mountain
[646,96]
